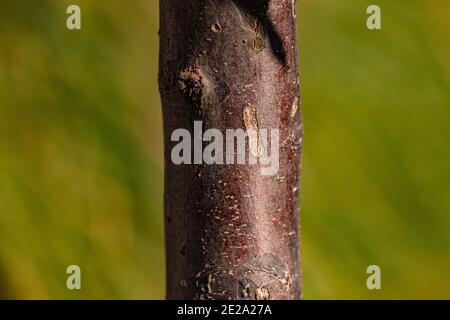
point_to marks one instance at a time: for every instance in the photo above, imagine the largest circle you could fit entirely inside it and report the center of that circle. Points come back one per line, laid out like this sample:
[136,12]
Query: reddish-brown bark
[231,233]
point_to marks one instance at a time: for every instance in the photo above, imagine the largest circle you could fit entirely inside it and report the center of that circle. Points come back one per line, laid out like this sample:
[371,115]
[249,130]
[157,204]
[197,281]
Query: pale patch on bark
[251,125]
[262,294]
[294,108]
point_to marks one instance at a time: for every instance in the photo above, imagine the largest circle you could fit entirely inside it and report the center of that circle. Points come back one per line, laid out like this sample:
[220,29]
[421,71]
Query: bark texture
[231,233]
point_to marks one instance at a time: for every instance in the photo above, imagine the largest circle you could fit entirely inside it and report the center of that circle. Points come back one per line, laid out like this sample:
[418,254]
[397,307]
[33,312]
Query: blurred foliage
[81,149]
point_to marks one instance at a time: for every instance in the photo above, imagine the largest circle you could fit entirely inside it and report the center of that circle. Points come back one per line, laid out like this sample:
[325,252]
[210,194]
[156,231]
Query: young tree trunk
[231,232]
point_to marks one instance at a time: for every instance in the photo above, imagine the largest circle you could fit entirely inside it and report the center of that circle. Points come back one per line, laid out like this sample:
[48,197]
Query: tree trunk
[231,231]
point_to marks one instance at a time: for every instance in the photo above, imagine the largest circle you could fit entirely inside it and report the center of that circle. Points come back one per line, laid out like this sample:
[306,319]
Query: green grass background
[81,149]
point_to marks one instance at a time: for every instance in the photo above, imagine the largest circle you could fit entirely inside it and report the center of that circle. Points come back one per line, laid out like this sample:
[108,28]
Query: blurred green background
[81,149]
